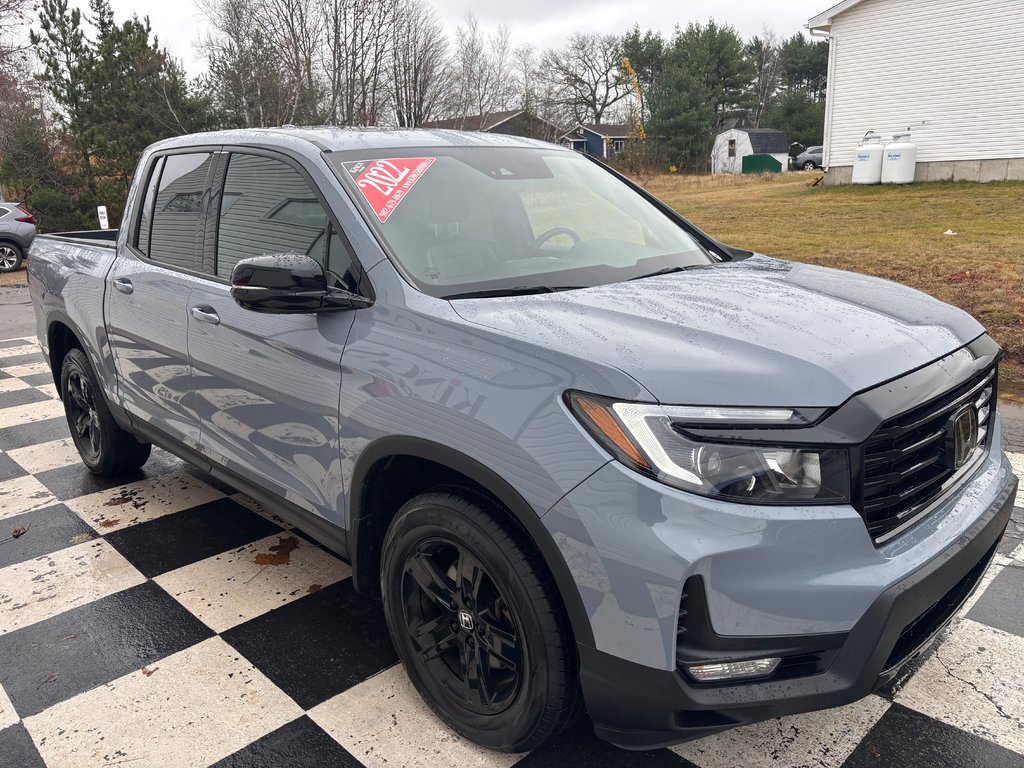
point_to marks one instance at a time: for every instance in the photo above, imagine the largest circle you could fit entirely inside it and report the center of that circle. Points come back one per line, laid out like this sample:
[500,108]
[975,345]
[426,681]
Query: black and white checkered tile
[165,620]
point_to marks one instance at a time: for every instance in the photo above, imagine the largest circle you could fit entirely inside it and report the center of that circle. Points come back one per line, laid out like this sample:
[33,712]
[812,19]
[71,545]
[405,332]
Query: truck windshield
[488,221]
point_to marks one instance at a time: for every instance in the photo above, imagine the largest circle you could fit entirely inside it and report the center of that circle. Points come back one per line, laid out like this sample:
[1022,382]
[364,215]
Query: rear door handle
[206,315]
[124,285]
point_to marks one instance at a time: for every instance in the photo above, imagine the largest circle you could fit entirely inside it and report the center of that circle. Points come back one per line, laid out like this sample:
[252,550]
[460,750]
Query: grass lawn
[892,232]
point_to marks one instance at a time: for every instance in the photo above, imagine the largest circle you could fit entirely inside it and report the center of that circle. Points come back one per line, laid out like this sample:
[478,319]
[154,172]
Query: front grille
[904,467]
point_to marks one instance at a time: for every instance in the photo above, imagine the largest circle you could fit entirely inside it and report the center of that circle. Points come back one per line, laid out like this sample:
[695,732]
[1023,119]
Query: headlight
[648,438]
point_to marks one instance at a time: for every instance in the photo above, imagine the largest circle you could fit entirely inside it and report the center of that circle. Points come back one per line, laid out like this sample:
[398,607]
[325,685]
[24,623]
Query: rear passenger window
[177,209]
[141,240]
[268,208]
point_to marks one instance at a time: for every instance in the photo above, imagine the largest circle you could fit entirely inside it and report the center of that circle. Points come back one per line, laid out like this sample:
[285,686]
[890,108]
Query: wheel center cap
[466,620]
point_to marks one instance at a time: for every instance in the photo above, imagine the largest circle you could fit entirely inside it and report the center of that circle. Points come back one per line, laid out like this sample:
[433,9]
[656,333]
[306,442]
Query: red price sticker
[385,183]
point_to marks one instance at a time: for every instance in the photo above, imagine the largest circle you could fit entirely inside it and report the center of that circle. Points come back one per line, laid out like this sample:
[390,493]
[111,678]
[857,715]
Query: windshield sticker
[384,183]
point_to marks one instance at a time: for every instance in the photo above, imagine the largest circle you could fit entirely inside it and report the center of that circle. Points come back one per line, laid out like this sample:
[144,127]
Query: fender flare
[359,524]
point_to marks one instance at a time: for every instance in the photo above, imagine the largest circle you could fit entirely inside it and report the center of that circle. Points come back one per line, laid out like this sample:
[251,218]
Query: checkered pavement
[163,619]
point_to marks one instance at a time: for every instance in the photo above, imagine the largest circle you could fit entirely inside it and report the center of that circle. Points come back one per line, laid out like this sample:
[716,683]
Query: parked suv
[809,159]
[17,230]
[577,446]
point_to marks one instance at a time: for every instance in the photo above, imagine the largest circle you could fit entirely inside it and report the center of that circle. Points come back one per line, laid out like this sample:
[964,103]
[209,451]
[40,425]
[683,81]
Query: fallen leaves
[314,588]
[110,522]
[280,553]
[17,533]
[148,672]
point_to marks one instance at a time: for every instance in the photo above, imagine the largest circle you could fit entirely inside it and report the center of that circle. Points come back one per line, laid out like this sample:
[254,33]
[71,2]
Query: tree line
[80,102]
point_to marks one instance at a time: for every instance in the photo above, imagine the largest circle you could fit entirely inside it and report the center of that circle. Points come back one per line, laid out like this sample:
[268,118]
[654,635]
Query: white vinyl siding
[950,70]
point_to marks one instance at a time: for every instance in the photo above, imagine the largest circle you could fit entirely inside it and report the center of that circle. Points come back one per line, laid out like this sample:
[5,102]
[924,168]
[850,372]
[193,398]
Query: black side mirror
[288,283]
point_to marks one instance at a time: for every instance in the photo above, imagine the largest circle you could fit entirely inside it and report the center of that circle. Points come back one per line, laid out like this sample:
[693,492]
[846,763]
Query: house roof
[486,122]
[766,140]
[824,20]
[608,131]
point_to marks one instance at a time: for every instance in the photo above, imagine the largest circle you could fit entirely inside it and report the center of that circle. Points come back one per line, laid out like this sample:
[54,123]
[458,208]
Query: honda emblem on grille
[961,436]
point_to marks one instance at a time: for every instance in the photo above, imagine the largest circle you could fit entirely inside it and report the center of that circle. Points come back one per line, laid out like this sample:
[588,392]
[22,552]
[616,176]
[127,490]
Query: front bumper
[638,707]
[792,579]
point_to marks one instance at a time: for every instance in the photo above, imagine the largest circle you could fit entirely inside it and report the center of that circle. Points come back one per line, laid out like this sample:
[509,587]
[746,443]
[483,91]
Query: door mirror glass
[288,283]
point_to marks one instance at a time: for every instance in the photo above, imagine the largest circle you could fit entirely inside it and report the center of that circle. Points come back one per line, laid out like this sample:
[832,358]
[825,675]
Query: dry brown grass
[892,232]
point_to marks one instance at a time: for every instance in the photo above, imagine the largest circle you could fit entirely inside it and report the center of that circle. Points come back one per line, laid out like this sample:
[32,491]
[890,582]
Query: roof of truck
[332,138]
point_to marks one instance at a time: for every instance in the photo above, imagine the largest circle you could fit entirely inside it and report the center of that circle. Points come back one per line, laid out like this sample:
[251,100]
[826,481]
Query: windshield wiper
[668,271]
[519,290]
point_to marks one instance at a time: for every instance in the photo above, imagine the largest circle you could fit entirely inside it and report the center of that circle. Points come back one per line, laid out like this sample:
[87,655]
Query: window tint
[178,208]
[268,207]
[146,208]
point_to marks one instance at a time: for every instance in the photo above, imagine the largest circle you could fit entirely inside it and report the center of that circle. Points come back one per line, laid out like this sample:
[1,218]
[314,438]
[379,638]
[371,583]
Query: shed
[737,143]
[948,70]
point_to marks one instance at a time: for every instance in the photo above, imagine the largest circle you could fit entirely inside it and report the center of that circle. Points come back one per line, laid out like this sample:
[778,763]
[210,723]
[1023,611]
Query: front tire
[105,448]
[477,622]
[10,257]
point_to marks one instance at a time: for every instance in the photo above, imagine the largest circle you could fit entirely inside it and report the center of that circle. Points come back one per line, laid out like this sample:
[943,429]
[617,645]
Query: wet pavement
[163,619]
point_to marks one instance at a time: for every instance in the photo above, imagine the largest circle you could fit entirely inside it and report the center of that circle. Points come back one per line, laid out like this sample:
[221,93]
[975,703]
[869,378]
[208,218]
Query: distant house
[603,141]
[948,70]
[518,122]
[733,145]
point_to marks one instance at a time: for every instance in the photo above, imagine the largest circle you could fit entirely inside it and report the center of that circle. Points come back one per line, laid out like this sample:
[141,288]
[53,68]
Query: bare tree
[244,66]
[295,31]
[537,97]
[765,52]
[359,34]
[484,69]
[13,18]
[419,64]
[586,75]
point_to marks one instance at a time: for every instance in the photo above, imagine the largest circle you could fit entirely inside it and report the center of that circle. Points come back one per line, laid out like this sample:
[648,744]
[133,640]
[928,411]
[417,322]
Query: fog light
[709,673]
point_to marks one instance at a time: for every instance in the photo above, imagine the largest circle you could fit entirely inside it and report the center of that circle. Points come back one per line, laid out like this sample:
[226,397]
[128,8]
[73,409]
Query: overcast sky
[543,23]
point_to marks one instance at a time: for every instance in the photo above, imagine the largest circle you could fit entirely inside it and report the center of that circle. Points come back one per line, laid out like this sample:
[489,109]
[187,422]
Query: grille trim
[902,469]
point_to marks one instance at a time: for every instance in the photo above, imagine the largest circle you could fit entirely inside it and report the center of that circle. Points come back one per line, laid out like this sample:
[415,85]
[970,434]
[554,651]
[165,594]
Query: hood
[756,332]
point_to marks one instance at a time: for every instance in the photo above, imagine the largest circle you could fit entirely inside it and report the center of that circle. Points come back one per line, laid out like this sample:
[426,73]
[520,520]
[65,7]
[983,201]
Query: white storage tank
[867,160]
[900,162]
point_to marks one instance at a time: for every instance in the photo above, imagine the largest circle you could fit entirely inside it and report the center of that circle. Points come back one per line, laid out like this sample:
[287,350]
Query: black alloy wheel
[477,620]
[462,627]
[83,419]
[105,448]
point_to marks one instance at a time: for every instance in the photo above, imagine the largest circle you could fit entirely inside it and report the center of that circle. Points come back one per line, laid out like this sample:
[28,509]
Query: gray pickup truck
[587,456]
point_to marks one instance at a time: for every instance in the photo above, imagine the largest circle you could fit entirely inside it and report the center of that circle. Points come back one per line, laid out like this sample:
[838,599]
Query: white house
[952,71]
[733,145]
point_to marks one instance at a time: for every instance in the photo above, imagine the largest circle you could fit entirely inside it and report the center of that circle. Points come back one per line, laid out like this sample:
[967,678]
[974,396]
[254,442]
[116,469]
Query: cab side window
[268,207]
[172,209]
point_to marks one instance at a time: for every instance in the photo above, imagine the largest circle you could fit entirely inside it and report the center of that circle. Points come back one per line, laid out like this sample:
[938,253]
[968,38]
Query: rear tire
[105,448]
[476,620]
[809,165]
[10,257]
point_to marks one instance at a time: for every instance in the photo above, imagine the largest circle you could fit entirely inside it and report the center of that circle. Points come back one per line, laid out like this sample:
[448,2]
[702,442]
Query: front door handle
[206,315]
[124,285]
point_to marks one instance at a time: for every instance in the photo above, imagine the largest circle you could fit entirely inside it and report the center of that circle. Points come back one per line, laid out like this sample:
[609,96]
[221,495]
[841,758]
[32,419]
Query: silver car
[17,231]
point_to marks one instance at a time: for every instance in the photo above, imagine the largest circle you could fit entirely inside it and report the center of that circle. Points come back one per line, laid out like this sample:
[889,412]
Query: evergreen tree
[66,56]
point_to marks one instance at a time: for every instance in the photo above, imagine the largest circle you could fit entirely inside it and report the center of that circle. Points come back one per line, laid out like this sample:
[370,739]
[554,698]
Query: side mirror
[288,283]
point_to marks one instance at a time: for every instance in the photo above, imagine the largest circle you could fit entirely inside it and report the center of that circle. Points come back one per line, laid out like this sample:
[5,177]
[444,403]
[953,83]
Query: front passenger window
[268,208]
